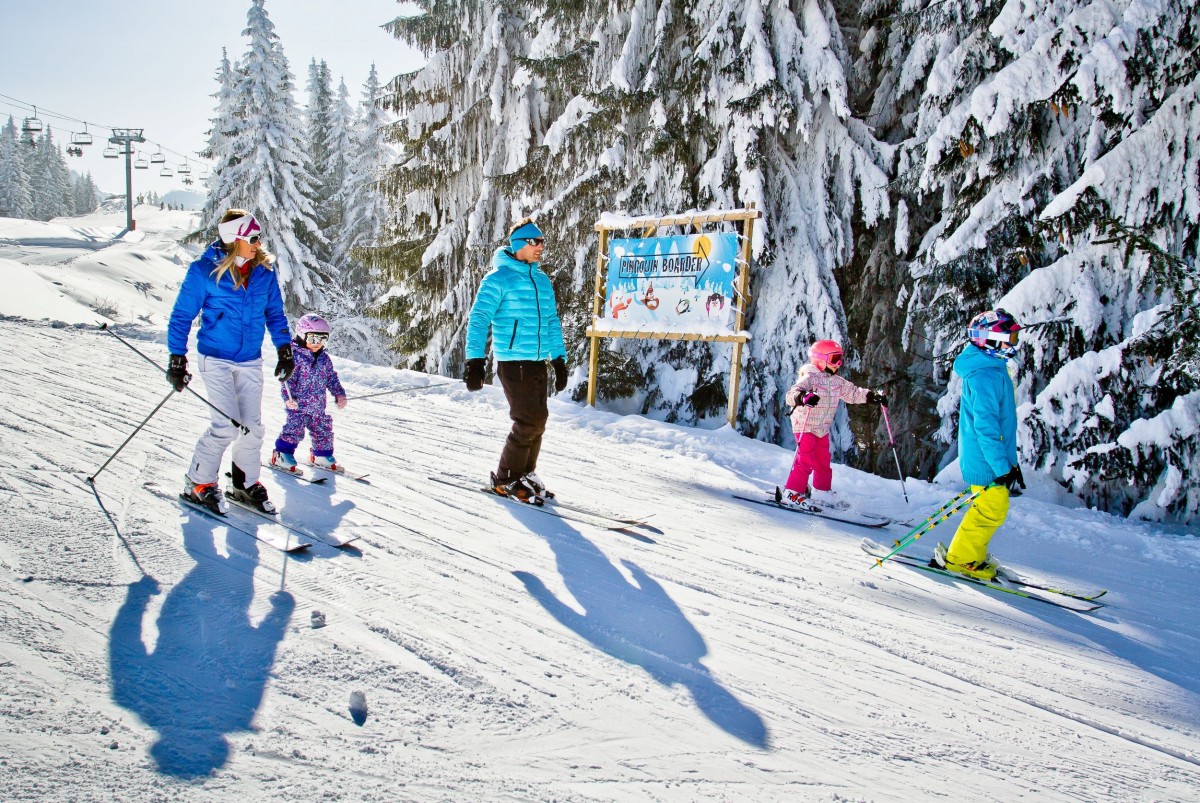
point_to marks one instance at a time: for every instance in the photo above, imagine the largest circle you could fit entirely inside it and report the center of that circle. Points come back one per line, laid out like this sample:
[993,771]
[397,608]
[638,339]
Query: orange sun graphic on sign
[702,247]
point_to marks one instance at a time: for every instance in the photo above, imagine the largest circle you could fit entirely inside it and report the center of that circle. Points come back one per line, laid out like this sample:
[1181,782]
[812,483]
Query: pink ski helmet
[826,355]
[312,322]
[995,331]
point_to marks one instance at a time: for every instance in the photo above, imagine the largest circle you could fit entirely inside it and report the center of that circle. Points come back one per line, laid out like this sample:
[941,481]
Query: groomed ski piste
[732,652]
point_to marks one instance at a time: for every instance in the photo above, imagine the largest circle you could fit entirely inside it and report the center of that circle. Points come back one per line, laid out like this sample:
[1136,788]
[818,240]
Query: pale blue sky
[147,64]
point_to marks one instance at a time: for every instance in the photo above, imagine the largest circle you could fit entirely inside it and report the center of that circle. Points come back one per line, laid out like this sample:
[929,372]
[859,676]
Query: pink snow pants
[812,457]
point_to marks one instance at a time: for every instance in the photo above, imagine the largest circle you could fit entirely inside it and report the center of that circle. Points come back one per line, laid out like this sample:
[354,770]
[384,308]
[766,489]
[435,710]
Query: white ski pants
[236,389]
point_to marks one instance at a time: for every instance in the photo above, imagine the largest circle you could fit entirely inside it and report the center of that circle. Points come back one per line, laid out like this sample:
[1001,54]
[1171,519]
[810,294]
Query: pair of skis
[1006,582]
[298,473]
[813,509]
[553,507]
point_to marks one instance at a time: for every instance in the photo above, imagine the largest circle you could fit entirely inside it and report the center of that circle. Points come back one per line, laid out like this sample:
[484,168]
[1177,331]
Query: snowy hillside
[725,651]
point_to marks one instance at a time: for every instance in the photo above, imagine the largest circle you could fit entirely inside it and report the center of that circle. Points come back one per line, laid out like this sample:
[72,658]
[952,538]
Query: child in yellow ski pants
[987,513]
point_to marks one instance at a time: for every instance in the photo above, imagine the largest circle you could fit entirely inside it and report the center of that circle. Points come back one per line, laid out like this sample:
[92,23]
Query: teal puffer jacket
[516,301]
[987,417]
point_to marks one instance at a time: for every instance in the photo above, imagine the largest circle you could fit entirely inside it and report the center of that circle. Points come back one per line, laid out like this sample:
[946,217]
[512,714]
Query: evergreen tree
[318,116]
[644,107]
[16,200]
[219,148]
[261,165]
[363,209]
[49,180]
[1047,150]
[85,194]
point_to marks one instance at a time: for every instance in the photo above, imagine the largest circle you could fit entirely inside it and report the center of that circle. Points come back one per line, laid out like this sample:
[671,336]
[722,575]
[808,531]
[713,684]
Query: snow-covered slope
[729,652]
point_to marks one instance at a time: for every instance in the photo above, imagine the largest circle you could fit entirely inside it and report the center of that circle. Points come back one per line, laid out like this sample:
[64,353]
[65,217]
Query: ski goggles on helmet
[991,336]
[316,338]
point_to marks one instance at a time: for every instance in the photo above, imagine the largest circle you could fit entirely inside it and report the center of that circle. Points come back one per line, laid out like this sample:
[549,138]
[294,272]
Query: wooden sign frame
[648,227]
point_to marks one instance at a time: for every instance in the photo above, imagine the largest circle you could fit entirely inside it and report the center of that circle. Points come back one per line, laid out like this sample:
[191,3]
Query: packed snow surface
[467,649]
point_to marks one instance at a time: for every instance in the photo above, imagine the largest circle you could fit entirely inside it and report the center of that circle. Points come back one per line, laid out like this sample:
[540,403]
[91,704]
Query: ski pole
[92,479]
[245,430]
[402,390]
[950,508]
[894,453]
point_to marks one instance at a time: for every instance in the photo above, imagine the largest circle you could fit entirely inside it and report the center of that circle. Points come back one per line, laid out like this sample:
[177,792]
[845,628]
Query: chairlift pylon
[32,125]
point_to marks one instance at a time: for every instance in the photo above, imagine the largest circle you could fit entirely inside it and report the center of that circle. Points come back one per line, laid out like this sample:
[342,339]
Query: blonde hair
[227,264]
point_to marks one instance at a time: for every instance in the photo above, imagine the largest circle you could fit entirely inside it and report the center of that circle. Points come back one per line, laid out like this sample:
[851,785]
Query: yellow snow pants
[987,513]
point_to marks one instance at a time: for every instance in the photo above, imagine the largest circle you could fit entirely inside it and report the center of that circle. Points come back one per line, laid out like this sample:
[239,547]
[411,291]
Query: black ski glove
[810,400]
[875,397]
[560,373]
[1012,479]
[474,374]
[177,373]
[286,364]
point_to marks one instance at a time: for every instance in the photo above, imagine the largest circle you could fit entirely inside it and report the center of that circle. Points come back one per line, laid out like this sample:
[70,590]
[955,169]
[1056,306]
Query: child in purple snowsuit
[304,398]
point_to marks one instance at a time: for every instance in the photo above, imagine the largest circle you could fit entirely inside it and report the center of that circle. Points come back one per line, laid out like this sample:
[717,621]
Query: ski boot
[539,487]
[793,499]
[517,489]
[324,461]
[205,494]
[254,496]
[827,500]
[284,460]
[985,569]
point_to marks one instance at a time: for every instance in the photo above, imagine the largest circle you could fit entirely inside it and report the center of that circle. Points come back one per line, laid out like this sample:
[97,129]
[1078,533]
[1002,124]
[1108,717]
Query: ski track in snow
[733,652]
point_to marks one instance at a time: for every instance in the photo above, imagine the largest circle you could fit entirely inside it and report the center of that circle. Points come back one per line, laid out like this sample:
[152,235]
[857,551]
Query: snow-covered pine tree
[1046,164]
[218,149]
[318,119]
[363,209]
[261,165]
[49,180]
[84,194]
[568,110]
[16,200]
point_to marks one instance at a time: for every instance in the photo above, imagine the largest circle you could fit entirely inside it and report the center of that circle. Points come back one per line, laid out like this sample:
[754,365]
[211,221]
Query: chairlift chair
[158,157]
[110,152]
[166,172]
[32,125]
[184,169]
[140,163]
[82,138]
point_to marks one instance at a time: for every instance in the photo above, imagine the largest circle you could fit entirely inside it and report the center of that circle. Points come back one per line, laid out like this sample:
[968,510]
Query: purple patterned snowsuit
[313,376]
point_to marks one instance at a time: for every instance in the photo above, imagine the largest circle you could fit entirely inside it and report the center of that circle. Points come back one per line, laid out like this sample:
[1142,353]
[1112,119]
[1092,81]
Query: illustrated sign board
[676,284]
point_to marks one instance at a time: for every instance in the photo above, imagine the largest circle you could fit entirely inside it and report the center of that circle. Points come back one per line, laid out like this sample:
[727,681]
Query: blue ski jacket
[987,417]
[516,301]
[231,318]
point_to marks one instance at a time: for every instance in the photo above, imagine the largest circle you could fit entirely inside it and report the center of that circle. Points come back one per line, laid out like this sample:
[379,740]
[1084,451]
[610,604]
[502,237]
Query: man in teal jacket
[516,303]
[987,441]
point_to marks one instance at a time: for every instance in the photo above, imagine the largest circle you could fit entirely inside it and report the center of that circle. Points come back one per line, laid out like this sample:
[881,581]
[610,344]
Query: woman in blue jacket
[516,303]
[987,441]
[234,290]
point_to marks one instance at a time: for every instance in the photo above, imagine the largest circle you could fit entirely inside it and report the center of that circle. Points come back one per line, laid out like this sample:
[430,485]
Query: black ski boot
[254,496]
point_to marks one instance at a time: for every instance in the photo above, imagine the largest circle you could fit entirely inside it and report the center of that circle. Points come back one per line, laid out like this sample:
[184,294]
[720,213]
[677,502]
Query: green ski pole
[937,517]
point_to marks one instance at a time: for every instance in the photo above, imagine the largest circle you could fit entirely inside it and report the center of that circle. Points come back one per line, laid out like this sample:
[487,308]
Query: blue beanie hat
[528,231]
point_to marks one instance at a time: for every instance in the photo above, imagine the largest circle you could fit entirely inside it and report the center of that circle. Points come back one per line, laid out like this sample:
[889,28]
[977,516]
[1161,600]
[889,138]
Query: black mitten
[177,373]
[560,373]
[286,364]
[474,373]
